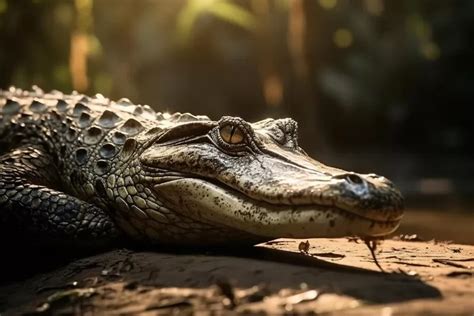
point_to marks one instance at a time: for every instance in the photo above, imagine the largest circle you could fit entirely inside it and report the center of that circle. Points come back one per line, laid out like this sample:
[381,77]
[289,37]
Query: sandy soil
[335,277]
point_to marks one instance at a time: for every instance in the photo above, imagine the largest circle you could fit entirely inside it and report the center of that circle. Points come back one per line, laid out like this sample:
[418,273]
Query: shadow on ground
[261,278]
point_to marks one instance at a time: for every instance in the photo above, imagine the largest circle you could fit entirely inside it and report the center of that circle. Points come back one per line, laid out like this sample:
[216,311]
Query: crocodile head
[232,181]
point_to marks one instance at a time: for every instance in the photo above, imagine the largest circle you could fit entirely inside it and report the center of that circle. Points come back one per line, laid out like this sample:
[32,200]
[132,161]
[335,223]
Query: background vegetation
[376,85]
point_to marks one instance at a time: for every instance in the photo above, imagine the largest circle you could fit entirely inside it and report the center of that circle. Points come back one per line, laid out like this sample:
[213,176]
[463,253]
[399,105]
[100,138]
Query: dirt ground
[334,277]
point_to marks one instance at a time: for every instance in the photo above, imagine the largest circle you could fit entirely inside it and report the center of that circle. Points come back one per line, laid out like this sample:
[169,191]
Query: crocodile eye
[231,134]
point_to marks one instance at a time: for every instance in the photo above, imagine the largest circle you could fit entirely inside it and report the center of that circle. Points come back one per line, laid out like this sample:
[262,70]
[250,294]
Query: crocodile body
[86,170]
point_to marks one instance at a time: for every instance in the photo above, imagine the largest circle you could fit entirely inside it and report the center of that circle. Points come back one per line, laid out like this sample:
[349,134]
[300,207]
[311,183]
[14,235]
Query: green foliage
[223,9]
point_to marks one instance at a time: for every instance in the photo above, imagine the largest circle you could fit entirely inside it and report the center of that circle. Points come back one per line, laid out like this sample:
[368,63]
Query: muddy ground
[334,276]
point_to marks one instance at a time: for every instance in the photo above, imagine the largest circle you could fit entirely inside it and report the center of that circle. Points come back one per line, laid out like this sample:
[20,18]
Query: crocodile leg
[29,202]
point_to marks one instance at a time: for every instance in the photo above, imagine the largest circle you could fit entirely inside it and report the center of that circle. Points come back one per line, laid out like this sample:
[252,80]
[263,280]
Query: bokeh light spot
[328,4]
[374,7]
[430,51]
[3,6]
[343,38]
[273,90]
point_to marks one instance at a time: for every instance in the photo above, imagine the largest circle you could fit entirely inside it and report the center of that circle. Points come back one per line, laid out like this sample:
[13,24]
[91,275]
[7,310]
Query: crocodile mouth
[219,204]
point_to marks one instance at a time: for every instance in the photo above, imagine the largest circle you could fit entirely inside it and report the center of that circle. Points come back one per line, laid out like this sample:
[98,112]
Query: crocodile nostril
[355,179]
[351,178]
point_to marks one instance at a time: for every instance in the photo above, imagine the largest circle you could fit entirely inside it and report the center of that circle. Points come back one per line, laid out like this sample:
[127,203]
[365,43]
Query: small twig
[450,263]
[411,264]
[372,245]
[328,255]
[458,259]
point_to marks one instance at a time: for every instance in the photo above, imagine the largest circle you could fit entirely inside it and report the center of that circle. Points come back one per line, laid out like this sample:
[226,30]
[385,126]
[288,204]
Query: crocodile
[86,170]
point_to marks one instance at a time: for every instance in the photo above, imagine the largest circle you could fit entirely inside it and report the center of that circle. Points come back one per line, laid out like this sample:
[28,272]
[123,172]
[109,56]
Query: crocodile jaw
[225,207]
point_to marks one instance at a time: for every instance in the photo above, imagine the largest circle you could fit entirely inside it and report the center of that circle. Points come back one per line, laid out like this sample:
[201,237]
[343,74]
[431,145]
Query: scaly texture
[79,170]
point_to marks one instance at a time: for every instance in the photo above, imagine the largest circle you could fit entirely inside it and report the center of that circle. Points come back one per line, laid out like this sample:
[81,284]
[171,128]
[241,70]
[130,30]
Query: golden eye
[231,134]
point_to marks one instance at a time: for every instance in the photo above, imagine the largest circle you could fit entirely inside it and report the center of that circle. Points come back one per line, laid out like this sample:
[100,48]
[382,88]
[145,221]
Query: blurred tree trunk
[286,71]
[301,101]
[33,44]
[16,24]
